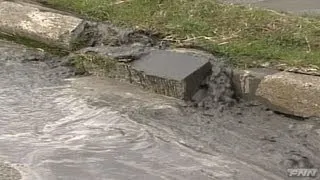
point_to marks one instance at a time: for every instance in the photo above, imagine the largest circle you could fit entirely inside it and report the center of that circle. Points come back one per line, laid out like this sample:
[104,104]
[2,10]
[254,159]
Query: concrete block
[33,22]
[186,71]
[291,93]
[164,72]
[246,82]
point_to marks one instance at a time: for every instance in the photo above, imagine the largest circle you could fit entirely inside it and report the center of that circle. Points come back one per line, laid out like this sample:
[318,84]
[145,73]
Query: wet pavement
[295,6]
[58,127]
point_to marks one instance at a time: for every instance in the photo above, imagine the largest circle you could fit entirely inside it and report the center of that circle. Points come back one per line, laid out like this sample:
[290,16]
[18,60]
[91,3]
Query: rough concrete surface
[285,92]
[246,82]
[291,93]
[32,22]
[167,72]
[188,70]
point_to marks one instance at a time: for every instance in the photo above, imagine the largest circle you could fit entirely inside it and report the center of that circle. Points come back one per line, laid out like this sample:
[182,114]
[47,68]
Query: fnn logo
[302,172]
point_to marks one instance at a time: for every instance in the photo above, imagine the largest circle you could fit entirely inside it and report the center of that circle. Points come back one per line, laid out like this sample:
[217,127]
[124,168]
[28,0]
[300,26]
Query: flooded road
[57,127]
[58,131]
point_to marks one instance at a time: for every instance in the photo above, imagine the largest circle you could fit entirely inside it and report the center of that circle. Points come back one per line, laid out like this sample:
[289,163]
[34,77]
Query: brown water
[57,127]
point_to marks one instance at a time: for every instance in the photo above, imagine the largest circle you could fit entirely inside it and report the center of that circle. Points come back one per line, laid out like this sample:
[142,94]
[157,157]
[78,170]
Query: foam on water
[62,132]
[96,128]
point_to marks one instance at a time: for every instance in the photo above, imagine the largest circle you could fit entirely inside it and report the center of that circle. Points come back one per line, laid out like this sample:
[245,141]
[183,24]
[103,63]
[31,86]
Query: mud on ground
[248,133]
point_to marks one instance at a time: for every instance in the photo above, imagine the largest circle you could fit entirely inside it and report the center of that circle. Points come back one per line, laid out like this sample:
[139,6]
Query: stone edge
[246,83]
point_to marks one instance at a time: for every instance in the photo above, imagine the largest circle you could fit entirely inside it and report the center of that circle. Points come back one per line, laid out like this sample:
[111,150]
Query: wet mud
[59,126]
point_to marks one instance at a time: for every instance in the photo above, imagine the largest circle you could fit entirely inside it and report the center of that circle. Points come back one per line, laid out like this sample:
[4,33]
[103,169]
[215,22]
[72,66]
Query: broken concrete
[284,92]
[166,72]
[33,22]
[291,93]
[188,71]
[58,29]
[246,82]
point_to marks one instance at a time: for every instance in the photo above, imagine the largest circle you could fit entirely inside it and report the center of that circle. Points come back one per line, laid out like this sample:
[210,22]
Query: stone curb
[285,92]
[38,23]
[59,29]
[172,73]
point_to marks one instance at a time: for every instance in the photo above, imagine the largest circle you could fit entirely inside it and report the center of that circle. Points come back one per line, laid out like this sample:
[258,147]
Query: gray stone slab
[291,93]
[35,22]
[169,64]
[187,69]
[167,72]
[285,92]
[246,82]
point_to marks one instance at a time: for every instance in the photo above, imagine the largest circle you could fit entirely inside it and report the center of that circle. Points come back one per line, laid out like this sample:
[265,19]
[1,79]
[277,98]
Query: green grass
[248,36]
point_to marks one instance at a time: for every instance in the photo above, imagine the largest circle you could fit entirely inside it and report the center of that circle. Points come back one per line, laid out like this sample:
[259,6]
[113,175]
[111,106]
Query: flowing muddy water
[57,127]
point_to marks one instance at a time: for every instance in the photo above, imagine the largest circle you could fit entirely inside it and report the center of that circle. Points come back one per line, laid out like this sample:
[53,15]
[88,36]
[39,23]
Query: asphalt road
[296,6]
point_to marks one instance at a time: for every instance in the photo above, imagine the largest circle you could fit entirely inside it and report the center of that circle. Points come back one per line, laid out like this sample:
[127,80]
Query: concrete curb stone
[166,72]
[246,82]
[295,94]
[285,92]
[37,23]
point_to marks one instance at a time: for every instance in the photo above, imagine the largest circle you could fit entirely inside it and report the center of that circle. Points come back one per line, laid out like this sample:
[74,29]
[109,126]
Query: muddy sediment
[248,131]
[258,141]
[96,34]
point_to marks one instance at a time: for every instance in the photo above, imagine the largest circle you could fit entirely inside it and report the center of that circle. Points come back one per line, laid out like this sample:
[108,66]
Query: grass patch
[249,36]
[84,63]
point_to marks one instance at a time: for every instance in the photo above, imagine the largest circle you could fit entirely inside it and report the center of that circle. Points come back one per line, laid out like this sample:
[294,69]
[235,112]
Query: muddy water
[56,127]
